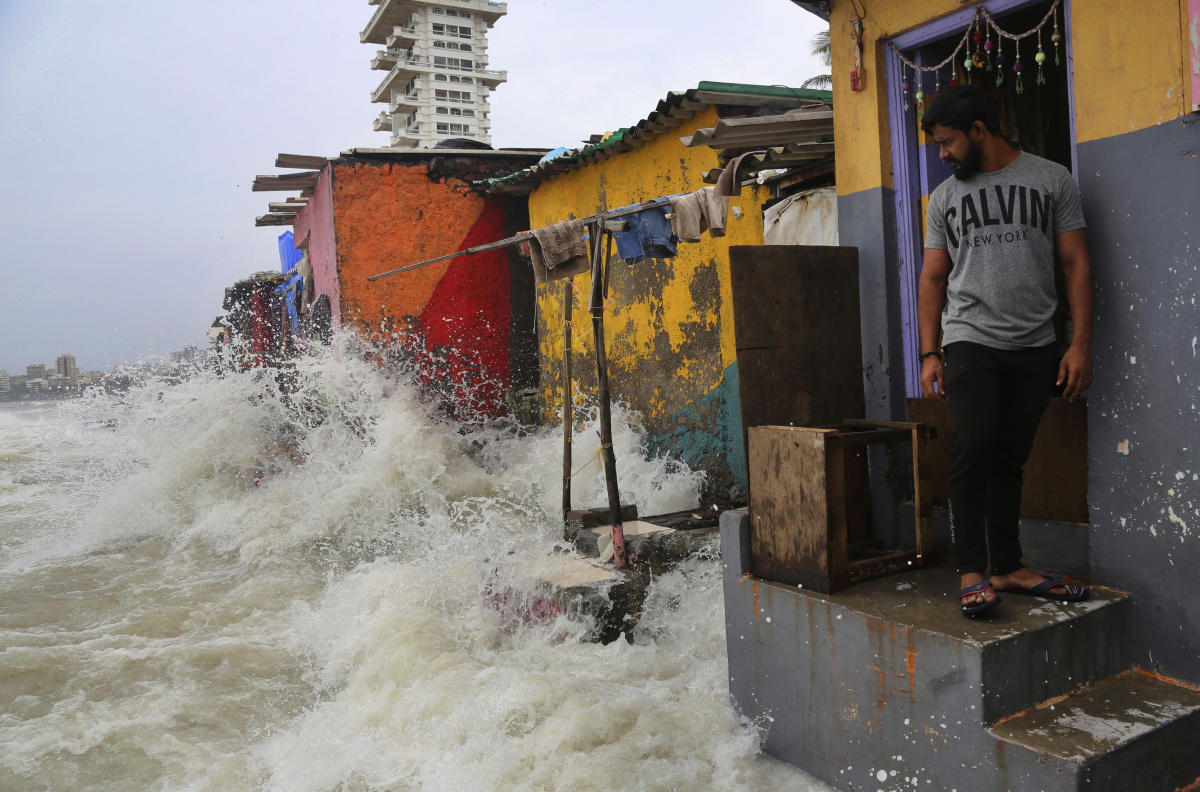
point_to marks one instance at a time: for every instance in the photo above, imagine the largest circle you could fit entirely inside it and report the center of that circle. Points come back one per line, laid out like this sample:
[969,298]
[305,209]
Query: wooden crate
[806,505]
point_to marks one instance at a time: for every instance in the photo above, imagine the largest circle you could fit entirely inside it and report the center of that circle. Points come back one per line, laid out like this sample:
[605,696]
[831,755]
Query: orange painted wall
[453,318]
[389,215]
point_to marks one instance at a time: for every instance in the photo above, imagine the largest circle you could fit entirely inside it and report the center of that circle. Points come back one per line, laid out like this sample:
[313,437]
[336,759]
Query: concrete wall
[1142,197]
[1138,166]
[455,315]
[314,231]
[669,325]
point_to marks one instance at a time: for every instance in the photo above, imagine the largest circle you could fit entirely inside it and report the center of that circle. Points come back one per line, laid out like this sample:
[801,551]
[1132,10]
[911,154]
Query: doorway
[1037,114]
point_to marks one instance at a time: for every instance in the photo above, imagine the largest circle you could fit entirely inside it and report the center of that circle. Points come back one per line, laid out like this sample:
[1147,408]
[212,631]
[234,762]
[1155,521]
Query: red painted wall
[455,315]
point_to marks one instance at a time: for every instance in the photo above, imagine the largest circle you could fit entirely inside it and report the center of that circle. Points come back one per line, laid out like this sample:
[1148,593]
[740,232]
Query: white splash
[209,586]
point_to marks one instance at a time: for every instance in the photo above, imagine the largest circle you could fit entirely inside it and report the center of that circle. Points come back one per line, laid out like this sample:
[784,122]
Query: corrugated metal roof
[672,111]
[795,139]
[818,7]
[802,125]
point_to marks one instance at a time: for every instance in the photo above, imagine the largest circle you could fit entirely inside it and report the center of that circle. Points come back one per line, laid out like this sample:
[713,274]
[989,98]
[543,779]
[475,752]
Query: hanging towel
[716,210]
[695,212]
[728,183]
[687,217]
[649,235]
[559,251]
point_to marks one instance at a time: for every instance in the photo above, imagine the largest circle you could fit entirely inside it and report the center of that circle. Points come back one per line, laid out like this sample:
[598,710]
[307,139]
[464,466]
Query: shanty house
[669,322]
[468,320]
[1098,695]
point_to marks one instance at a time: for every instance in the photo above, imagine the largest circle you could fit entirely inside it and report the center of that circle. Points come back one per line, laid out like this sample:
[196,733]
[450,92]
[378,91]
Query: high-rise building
[5,382]
[438,84]
[66,366]
[36,371]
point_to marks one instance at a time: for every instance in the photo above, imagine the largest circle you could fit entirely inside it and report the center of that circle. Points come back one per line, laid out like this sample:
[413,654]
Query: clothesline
[612,214]
[727,185]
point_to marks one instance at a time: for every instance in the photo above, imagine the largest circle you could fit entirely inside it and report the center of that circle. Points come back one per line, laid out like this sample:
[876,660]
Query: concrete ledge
[1133,731]
[888,675]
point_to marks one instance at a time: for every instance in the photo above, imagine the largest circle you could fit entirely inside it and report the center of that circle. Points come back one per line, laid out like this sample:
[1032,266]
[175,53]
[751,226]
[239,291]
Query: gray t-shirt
[999,229]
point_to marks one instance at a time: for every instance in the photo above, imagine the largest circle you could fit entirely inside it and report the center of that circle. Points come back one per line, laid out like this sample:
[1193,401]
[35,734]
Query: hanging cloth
[648,235]
[693,213]
[559,251]
[728,183]
[289,289]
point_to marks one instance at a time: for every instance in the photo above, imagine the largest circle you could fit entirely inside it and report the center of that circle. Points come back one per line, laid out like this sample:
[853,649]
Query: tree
[820,47]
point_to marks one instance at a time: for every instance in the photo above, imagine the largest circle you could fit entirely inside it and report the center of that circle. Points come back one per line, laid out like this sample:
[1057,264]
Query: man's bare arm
[931,298]
[1076,366]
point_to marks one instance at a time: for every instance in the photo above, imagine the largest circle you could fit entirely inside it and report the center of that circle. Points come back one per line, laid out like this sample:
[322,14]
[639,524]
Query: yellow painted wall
[1129,74]
[669,328]
[1129,65]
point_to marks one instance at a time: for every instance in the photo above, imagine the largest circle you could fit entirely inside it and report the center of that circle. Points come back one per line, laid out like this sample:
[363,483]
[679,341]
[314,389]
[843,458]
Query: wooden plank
[898,561]
[789,509]
[837,493]
[274,220]
[1055,475]
[797,334]
[286,182]
[922,509]
[857,494]
[284,207]
[300,161]
[934,413]
[850,439]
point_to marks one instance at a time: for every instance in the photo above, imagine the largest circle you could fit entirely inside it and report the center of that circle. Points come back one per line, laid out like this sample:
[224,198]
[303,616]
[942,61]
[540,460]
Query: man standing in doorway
[985,309]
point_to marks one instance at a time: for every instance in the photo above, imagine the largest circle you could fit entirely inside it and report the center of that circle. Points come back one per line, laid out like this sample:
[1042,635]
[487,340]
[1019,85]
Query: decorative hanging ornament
[904,84]
[999,62]
[1056,37]
[1040,58]
[987,48]
[1018,68]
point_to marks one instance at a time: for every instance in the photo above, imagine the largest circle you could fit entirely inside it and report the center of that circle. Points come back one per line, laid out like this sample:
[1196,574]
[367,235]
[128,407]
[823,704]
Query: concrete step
[1129,732]
[1024,651]
[886,681]
[583,584]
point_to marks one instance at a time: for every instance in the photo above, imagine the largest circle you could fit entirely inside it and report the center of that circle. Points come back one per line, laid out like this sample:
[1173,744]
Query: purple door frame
[912,177]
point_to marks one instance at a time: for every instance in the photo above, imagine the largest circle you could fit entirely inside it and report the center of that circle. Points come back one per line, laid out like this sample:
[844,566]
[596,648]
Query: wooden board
[300,161]
[797,333]
[1055,475]
[286,182]
[791,536]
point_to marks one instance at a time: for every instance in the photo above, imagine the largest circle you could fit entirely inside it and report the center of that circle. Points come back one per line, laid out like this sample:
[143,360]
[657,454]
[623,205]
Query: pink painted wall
[313,229]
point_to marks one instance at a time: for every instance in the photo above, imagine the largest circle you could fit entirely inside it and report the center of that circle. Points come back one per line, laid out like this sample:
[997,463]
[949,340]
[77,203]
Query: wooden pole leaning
[568,404]
[599,268]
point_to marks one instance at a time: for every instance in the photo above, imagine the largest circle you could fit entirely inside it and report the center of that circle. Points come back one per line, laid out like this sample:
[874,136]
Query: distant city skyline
[64,365]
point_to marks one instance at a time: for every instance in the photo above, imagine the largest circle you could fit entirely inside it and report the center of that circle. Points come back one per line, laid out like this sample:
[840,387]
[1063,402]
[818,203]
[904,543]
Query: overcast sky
[133,129]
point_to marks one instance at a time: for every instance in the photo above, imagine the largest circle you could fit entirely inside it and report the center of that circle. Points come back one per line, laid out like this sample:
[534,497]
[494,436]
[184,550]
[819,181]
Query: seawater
[207,585]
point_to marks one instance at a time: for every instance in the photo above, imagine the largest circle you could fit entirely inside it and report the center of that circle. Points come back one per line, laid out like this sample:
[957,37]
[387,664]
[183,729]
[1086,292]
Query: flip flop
[1073,593]
[978,607]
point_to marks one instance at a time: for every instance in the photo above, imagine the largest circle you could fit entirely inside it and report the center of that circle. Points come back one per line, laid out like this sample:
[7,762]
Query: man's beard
[969,166]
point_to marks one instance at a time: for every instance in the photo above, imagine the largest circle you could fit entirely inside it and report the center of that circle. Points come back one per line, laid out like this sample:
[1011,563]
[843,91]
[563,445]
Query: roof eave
[818,7]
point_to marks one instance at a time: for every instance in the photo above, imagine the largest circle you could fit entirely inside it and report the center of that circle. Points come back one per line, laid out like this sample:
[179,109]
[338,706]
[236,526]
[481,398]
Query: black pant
[997,397]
